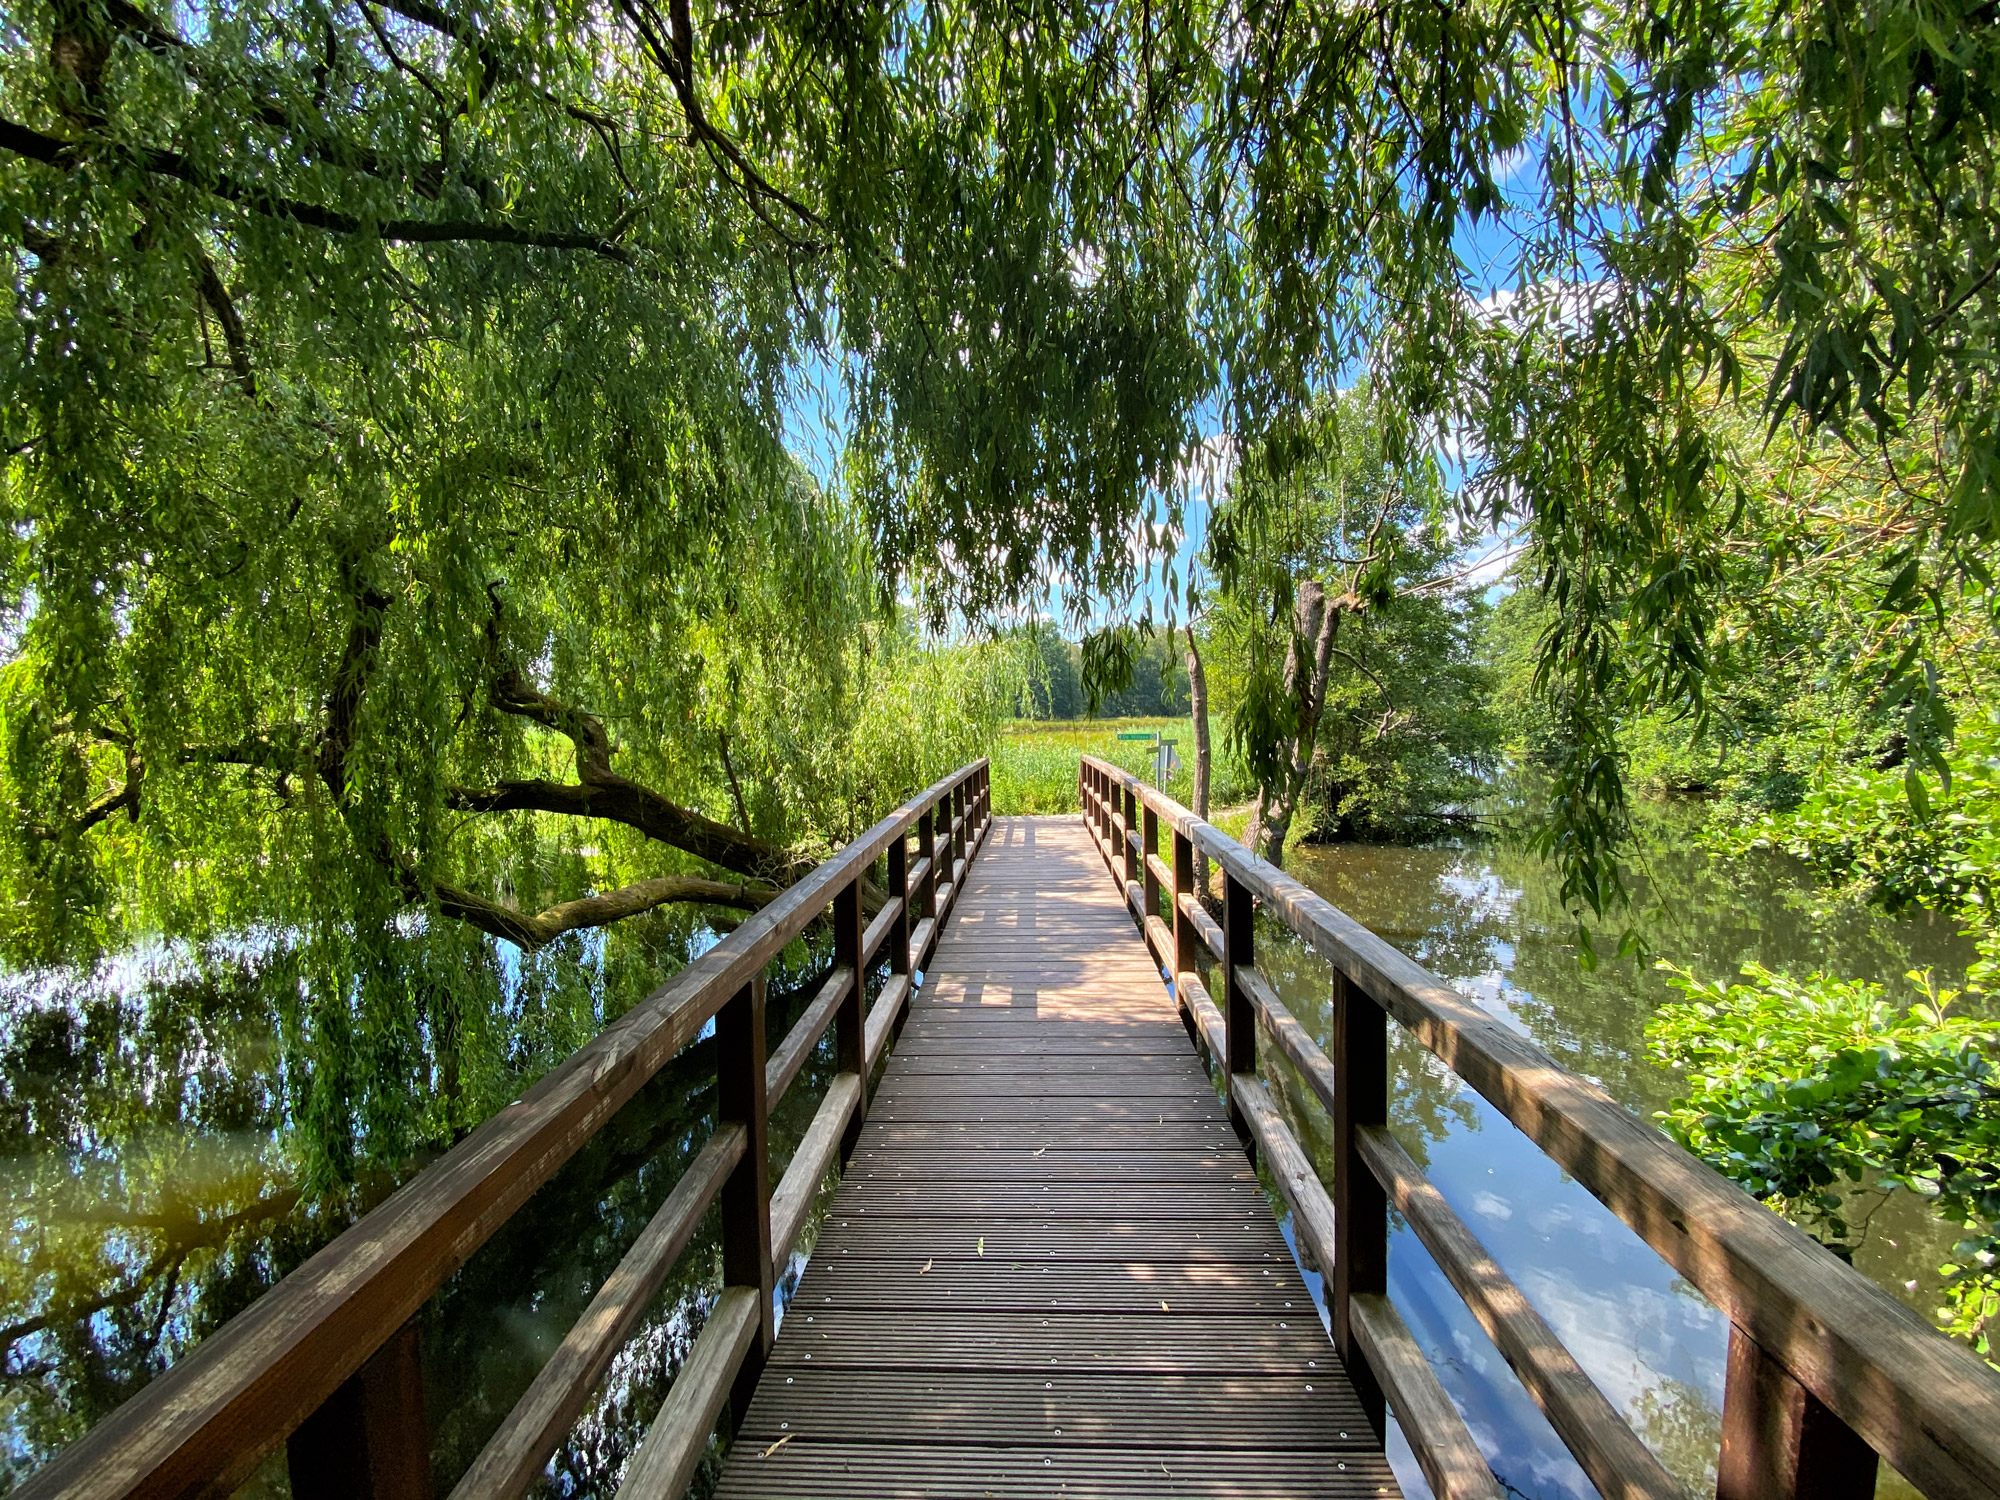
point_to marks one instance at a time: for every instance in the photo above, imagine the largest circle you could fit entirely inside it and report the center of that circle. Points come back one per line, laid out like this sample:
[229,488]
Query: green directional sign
[1143,734]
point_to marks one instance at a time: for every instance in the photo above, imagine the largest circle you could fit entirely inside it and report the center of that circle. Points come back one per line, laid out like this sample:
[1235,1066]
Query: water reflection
[158,1149]
[1485,918]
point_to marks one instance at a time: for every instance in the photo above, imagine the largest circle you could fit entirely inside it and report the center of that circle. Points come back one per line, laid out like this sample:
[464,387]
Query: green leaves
[1338,635]
[1805,1090]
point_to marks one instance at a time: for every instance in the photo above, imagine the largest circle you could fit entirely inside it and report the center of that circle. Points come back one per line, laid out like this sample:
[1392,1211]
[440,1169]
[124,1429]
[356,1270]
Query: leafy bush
[1907,838]
[1805,1090]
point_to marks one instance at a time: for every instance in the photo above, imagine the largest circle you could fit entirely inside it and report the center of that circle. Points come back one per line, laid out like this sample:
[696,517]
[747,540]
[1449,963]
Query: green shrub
[1804,1091]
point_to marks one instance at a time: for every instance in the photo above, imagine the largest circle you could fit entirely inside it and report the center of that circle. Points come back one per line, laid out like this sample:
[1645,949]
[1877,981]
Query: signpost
[1165,762]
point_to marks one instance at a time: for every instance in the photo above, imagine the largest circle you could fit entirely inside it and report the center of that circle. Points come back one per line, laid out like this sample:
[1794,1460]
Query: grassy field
[1034,764]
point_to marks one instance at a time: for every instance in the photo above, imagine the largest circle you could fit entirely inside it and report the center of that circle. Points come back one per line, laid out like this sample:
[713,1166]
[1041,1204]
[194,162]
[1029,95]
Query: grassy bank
[1035,761]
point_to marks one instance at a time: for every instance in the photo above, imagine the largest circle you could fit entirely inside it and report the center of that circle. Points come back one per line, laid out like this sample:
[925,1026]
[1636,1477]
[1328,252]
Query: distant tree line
[1052,687]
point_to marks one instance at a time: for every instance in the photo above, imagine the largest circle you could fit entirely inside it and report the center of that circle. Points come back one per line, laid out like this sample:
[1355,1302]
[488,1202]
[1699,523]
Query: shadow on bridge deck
[1049,1269]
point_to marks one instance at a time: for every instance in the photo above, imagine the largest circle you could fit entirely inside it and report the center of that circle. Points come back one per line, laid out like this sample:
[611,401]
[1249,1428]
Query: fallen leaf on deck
[1164,1307]
[982,1245]
[925,1268]
[777,1445]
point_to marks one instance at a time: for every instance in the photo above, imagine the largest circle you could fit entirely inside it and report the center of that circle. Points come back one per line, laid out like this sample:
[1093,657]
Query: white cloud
[1566,305]
[1207,471]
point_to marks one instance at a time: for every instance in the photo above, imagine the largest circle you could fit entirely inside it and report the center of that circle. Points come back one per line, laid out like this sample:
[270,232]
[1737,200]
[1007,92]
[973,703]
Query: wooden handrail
[206,1424]
[1808,1327]
[513,1457]
[1617,1462]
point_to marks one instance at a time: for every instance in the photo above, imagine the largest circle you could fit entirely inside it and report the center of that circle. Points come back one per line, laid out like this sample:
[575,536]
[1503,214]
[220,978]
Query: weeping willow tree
[397,391]
[410,574]
[415,611]
[397,395]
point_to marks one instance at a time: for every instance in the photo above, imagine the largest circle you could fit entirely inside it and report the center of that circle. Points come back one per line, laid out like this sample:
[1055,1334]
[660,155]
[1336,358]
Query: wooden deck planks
[1049,1269]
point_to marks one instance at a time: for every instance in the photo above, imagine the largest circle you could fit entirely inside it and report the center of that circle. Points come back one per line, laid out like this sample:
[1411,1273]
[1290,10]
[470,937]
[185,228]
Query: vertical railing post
[941,865]
[1112,814]
[899,886]
[1360,1207]
[369,1440]
[850,1022]
[1779,1442]
[1184,933]
[1131,860]
[1239,1014]
[957,836]
[1149,848]
[1185,936]
[745,1202]
[927,852]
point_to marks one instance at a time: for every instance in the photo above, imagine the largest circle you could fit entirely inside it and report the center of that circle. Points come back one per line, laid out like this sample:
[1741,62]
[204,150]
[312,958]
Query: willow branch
[735,786]
[544,927]
[601,792]
[671,46]
[67,155]
[218,299]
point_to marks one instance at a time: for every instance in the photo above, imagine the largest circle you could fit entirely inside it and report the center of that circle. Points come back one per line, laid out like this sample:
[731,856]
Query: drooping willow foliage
[415,608]
[397,394]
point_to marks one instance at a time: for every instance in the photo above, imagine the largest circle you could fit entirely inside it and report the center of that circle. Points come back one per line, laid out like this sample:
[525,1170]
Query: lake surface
[1485,918]
[158,1130]
[161,1159]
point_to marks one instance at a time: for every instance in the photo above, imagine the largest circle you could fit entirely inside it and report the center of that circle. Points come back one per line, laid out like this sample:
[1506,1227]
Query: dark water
[158,1130]
[1485,919]
[164,1167]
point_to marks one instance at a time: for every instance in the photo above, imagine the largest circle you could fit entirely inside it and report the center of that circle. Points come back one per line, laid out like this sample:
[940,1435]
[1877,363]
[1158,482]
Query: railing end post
[369,1440]
[1779,1442]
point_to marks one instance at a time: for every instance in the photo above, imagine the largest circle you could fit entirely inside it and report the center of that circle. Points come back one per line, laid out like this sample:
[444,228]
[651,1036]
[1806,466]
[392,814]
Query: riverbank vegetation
[494,492]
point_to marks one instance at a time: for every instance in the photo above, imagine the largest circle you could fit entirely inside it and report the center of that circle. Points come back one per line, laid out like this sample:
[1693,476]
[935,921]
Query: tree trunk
[1317,623]
[1198,711]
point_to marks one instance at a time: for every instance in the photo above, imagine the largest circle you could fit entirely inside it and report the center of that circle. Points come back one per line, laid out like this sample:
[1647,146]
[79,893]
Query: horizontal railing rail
[1825,1371]
[328,1361]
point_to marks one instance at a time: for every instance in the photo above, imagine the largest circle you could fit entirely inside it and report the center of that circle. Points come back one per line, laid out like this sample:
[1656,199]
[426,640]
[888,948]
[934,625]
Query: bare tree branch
[544,927]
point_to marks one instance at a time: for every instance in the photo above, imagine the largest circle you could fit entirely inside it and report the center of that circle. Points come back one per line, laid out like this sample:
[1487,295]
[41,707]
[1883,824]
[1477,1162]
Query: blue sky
[816,414]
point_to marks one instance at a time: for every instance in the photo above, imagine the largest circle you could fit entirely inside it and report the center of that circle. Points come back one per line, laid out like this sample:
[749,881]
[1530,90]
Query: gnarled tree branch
[543,927]
[602,793]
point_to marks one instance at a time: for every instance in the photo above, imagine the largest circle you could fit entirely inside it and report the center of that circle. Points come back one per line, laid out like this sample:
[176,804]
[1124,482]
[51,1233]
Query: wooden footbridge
[1050,1267]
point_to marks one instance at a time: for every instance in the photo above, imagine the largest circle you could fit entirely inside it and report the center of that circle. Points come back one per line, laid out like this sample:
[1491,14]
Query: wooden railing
[1825,1369]
[328,1361]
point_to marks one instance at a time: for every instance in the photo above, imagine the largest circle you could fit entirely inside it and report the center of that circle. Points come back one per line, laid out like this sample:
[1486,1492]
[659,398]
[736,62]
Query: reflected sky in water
[1485,919]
